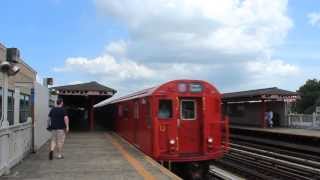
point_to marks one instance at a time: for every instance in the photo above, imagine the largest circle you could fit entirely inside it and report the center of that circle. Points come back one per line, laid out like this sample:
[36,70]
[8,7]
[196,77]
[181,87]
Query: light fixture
[4,66]
[172,141]
[14,69]
[10,68]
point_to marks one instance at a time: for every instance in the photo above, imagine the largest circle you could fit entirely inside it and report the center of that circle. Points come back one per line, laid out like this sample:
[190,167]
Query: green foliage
[310,96]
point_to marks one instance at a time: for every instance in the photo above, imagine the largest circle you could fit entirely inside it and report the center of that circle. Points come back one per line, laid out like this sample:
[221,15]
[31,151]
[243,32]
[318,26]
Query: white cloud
[274,68]
[228,42]
[230,26]
[118,48]
[106,65]
[314,18]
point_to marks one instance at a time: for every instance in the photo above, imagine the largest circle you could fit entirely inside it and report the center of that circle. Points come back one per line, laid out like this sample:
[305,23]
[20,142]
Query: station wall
[250,114]
[41,111]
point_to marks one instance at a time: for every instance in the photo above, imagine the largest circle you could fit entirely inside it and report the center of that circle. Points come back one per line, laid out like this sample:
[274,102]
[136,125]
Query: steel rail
[255,167]
[222,174]
[313,170]
[279,149]
[307,162]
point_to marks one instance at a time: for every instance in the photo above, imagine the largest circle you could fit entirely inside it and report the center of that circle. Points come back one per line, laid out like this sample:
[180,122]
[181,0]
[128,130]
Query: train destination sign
[195,87]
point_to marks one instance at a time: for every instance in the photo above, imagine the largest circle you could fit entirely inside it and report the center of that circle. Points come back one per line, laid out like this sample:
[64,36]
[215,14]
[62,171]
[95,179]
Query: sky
[134,44]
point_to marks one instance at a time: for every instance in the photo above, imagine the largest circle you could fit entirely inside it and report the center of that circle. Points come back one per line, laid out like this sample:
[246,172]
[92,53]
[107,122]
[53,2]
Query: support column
[91,114]
[17,106]
[5,122]
[263,111]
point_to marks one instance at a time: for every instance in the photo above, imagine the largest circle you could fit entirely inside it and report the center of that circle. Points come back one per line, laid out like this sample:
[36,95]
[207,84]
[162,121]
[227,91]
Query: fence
[304,121]
[15,143]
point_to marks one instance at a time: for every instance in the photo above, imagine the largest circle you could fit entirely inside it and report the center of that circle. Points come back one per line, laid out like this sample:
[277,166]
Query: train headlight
[172,141]
[210,140]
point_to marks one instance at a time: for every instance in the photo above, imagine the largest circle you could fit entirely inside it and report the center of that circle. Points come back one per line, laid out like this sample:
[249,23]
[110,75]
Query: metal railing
[304,121]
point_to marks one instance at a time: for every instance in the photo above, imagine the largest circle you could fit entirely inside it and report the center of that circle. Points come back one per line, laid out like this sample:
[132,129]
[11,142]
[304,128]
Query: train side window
[120,113]
[136,110]
[126,112]
[188,110]
[148,114]
[165,109]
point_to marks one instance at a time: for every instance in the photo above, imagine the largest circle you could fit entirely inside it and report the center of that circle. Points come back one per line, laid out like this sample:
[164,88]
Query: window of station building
[165,109]
[25,108]
[236,110]
[51,103]
[188,110]
[10,107]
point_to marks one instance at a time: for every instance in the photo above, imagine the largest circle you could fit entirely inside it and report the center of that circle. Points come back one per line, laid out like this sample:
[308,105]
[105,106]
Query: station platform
[96,156]
[286,131]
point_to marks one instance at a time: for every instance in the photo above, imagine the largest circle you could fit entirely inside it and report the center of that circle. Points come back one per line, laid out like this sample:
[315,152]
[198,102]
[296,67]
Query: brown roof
[259,93]
[90,86]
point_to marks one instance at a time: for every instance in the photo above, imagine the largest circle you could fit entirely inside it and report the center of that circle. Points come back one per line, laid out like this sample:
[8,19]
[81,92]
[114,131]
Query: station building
[24,108]
[19,91]
[247,108]
[79,100]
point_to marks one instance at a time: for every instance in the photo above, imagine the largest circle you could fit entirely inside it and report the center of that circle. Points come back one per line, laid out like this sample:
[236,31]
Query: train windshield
[188,110]
[165,109]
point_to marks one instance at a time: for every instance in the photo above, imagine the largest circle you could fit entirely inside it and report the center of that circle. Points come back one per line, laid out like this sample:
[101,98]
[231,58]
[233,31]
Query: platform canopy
[273,93]
[79,100]
[85,89]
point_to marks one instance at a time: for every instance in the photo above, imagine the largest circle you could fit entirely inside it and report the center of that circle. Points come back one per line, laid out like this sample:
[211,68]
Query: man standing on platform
[59,127]
[270,118]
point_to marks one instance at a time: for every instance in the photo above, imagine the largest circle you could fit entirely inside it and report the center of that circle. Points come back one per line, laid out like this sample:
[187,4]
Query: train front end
[190,126]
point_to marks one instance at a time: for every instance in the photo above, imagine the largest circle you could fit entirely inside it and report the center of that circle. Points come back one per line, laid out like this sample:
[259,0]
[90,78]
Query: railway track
[256,163]
[308,151]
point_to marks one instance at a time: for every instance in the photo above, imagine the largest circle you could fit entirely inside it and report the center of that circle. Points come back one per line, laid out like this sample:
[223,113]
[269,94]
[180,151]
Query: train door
[189,125]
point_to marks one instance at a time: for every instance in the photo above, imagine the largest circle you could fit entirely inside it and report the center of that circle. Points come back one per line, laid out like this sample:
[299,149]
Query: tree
[310,96]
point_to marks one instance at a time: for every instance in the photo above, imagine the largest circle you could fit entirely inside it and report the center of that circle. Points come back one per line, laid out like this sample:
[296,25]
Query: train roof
[139,94]
[143,93]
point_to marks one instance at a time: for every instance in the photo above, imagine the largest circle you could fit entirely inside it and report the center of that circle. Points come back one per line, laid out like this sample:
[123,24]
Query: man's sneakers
[60,156]
[50,155]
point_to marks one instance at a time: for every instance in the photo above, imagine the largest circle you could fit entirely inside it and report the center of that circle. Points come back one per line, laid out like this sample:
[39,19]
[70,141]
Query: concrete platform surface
[90,156]
[290,131]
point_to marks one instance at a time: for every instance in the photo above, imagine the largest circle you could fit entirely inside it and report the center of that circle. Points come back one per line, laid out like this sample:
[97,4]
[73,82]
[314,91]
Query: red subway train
[179,122]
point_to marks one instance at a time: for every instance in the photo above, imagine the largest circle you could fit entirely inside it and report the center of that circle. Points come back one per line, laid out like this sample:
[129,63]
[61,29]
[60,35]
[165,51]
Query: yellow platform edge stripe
[147,158]
[134,163]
